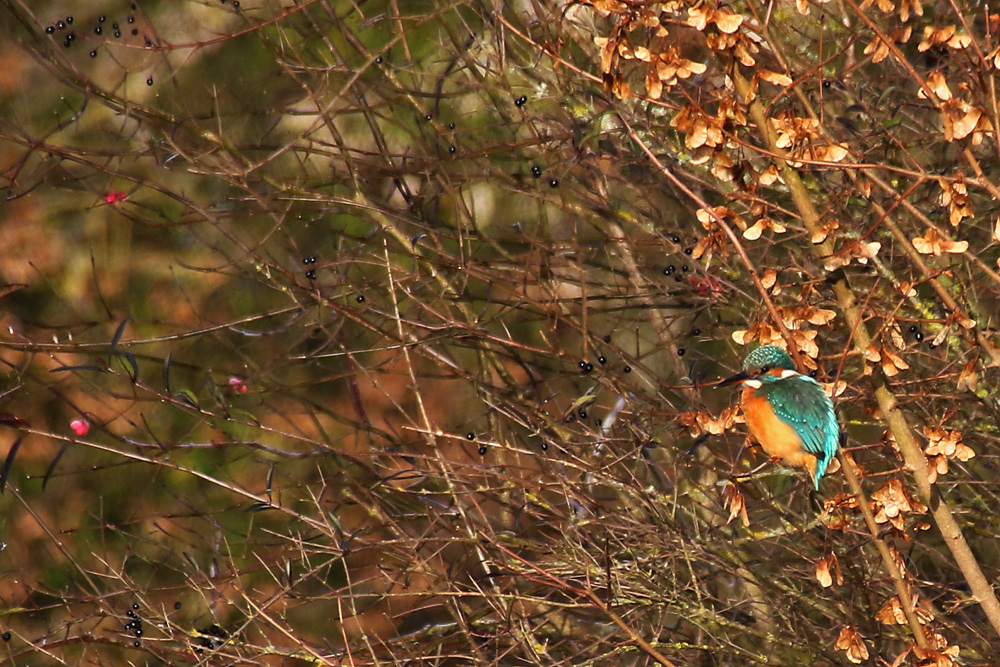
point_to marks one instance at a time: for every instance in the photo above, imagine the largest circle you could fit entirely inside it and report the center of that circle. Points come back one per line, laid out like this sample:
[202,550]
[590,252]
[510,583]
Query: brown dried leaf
[892,363]
[698,17]
[828,571]
[833,153]
[823,232]
[823,575]
[934,36]
[727,21]
[878,50]
[932,243]
[968,379]
[960,41]
[891,502]
[769,278]
[754,232]
[770,175]
[819,316]
[736,504]
[851,642]
[775,77]
[906,7]
[936,82]
[891,613]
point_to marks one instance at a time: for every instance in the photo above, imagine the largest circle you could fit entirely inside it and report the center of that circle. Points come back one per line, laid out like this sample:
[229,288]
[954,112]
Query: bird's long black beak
[739,377]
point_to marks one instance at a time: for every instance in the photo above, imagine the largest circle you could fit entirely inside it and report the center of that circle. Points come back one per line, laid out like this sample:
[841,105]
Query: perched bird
[788,413]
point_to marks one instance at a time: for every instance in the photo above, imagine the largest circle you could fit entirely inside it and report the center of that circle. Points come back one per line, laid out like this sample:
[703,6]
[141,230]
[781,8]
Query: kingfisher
[788,413]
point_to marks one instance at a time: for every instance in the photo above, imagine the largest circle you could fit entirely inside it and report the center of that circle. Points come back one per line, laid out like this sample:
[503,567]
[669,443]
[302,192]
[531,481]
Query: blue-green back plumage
[798,401]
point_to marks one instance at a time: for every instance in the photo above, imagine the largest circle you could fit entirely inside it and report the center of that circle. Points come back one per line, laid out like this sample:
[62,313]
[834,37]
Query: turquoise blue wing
[800,402]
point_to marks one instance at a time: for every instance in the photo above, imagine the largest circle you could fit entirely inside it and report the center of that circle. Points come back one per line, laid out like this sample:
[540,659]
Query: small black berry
[360,298]
[582,413]
[553,182]
[149,81]
[452,149]
[684,267]
[428,117]
[49,29]
[114,26]
[6,636]
[236,4]
[67,42]
[118,33]
[311,274]
[545,446]
[602,360]
[378,60]
[60,25]
[688,251]
[582,364]
[482,450]
[131,19]
[536,171]
[681,352]
[177,605]
[470,436]
[627,369]
[589,368]
[918,336]
[93,54]
[695,332]
[607,339]
[98,30]
[826,84]
[135,31]
[521,101]
[135,605]
[913,328]
[675,238]
[102,18]
[71,36]
[309,260]
[451,126]
[137,643]
[69,20]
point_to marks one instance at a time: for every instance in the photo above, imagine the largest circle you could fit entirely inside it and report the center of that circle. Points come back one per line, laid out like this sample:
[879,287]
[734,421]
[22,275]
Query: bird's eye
[764,370]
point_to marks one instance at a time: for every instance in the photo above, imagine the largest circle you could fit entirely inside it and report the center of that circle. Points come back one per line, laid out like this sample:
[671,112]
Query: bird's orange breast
[776,437]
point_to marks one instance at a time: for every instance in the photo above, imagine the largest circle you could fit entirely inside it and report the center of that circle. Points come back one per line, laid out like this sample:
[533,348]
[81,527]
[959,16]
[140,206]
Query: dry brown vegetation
[385,332]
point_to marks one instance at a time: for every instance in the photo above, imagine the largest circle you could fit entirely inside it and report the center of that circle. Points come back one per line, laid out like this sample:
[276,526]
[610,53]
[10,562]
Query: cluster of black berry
[134,624]
[209,638]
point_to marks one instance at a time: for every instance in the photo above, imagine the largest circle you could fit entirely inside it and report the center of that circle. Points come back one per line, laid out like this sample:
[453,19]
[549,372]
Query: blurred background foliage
[382,332]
